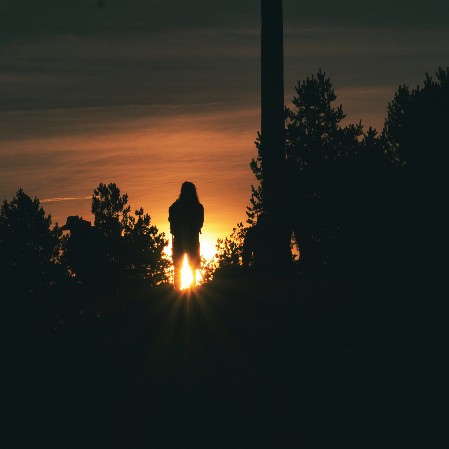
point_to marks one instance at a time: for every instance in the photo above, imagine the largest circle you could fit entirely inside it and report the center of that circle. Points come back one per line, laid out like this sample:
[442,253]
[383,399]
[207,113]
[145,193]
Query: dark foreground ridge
[292,364]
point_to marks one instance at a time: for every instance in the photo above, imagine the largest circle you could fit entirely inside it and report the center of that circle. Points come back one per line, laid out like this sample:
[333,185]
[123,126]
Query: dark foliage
[349,191]
[318,147]
[415,133]
[230,249]
[108,208]
[29,246]
[144,245]
[52,279]
[415,128]
[122,250]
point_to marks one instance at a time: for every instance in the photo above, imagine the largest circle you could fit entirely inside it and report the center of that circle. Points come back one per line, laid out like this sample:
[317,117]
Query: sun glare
[186,275]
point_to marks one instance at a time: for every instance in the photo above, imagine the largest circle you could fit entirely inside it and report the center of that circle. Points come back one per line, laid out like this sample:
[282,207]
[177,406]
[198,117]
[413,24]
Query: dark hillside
[303,364]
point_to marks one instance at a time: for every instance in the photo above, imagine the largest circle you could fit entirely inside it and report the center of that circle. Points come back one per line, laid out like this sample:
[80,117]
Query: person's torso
[185,218]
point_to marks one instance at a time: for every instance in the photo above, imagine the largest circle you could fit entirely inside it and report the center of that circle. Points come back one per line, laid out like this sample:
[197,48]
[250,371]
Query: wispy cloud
[58,200]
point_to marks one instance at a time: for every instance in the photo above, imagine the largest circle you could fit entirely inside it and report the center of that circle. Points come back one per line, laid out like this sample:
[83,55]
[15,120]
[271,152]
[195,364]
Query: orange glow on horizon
[209,147]
[208,249]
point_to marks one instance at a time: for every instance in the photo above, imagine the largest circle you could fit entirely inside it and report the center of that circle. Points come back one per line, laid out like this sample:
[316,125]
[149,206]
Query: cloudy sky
[149,93]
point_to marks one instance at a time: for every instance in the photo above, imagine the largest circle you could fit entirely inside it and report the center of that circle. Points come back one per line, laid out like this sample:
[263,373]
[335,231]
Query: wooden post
[272,128]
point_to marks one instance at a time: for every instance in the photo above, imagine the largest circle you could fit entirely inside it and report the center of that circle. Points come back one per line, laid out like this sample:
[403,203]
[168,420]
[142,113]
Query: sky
[150,93]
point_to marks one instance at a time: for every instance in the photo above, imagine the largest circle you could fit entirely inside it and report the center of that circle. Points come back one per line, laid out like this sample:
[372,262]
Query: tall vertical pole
[272,126]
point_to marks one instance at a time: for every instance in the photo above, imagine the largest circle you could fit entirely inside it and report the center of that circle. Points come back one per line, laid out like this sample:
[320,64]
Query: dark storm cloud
[366,13]
[73,53]
[43,18]
[162,68]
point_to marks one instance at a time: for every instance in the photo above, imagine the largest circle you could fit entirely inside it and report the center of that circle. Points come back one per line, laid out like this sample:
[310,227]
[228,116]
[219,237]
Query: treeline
[362,203]
[87,270]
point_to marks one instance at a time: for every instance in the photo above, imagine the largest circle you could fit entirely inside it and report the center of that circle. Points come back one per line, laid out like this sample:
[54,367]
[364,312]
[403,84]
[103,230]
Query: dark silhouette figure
[186,217]
[86,254]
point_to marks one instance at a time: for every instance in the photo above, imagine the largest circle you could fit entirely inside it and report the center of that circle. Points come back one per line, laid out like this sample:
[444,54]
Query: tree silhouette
[314,134]
[230,249]
[415,133]
[108,207]
[144,246]
[315,140]
[135,248]
[415,128]
[29,246]
[344,187]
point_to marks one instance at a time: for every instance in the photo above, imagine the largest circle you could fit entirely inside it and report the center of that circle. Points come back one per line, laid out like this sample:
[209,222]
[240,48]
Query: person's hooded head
[188,192]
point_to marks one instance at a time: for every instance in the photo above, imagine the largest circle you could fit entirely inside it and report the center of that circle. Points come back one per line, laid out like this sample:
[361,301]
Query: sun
[187,279]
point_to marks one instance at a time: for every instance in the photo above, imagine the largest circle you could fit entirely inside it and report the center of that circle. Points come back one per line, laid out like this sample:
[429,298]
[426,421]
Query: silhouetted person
[86,254]
[186,217]
[258,245]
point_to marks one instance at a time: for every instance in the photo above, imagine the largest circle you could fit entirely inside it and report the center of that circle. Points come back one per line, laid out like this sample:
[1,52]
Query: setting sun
[208,251]
[188,279]
[186,275]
